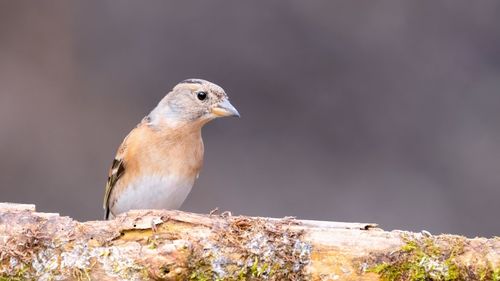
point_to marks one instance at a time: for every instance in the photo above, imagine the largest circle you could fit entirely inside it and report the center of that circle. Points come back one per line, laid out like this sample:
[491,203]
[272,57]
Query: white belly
[153,192]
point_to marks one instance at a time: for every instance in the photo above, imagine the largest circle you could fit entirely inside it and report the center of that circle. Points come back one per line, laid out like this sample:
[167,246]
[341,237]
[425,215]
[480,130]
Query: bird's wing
[118,167]
[115,172]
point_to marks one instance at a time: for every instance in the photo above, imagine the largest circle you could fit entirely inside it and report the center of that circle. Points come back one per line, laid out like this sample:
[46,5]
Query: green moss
[432,259]
[489,273]
[152,242]
[12,278]
[387,271]
[23,272]
[420,260]
[496,275]
[201,271]
[199,276]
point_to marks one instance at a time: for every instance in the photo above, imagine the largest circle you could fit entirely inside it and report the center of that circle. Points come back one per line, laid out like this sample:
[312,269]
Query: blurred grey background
[370,111]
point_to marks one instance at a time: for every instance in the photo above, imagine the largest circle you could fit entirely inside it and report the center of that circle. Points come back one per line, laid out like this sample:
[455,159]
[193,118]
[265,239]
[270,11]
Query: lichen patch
[251,249]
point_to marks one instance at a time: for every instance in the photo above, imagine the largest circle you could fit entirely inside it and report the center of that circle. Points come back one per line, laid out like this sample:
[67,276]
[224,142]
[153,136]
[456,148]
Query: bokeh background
[369,111]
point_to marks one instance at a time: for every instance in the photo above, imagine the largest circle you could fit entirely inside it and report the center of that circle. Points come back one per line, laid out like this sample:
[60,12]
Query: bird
[158,162]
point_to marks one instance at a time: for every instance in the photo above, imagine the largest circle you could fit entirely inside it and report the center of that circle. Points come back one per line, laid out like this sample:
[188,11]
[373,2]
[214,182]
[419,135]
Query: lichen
[23,254]
[250,249]
[46,260]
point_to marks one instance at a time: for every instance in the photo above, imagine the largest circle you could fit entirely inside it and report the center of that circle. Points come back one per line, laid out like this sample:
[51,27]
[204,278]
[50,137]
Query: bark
[174,245]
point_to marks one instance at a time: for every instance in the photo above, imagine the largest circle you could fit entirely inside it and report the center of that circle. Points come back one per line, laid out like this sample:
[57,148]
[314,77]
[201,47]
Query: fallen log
[175,245]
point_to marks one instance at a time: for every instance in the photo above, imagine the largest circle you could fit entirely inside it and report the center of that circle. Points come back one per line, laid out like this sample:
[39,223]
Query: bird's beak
[225,108]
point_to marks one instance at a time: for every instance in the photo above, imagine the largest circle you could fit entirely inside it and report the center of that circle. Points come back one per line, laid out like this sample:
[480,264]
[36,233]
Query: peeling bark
[174,245]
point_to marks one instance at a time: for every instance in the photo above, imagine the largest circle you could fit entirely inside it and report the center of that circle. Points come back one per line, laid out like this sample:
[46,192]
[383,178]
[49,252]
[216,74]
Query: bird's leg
[153,226]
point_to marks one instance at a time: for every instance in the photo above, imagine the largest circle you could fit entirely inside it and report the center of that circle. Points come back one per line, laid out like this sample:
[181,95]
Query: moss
[199,276]
[21,274]
[152,242]
[201,270]
[422,260]
[433,259]
[12,278]
[496,275]
[489,273]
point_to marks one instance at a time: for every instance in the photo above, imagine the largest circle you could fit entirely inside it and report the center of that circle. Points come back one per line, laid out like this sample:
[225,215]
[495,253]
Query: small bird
[158,162]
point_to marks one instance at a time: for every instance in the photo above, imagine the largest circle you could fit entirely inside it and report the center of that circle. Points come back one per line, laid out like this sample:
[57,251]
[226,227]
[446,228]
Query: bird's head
[194,100]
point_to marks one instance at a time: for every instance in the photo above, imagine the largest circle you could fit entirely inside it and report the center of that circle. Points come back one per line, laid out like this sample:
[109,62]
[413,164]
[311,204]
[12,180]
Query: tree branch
[174,245]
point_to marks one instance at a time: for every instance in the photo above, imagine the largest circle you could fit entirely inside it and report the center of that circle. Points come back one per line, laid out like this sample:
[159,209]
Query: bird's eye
[201,95]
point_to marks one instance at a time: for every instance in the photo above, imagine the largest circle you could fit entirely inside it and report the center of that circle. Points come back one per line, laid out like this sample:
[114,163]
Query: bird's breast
[154,192]
[159,172]
[178,157]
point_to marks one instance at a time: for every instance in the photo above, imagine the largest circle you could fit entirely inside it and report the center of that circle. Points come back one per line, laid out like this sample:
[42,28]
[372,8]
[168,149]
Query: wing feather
[115,173]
